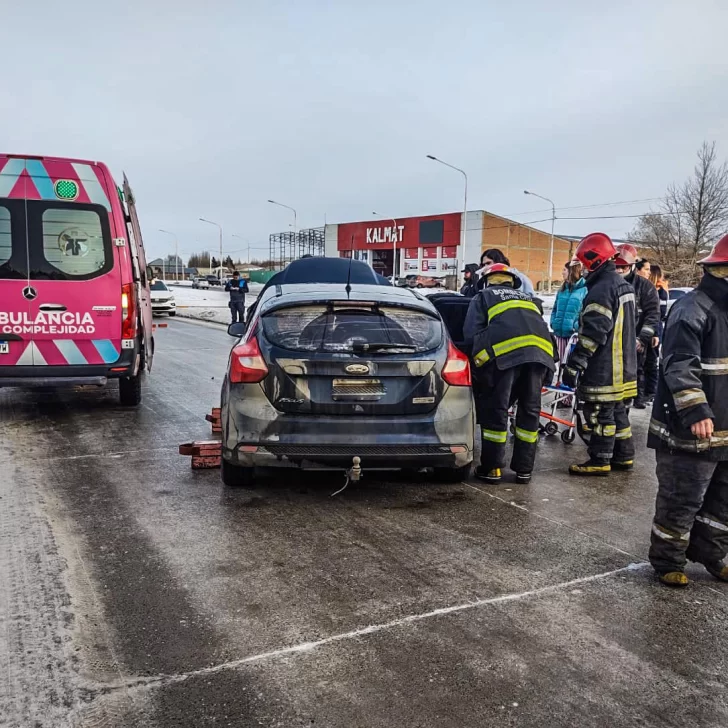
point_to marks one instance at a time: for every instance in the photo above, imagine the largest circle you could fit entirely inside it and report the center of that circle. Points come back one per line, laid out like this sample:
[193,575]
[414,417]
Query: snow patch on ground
[208,304]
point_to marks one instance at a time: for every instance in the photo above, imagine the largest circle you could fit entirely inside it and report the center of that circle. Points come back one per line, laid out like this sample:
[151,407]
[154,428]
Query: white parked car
[200,282]
[675,294]
[162,299]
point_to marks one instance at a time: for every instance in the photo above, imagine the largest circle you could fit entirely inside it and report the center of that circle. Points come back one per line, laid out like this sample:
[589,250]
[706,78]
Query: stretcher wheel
[568,436]
[551,428]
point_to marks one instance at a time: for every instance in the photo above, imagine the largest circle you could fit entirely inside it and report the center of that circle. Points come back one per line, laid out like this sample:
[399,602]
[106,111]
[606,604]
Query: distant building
[431,244]
[168,271]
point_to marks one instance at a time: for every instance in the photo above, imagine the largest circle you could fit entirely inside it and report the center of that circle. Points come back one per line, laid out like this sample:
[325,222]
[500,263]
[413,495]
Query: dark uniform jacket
[693,383]
[647,308]
[506,326]
[470,287]
[606,348]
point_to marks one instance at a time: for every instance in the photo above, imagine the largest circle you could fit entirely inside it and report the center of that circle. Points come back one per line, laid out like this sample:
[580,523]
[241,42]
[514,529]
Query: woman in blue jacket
[567,307]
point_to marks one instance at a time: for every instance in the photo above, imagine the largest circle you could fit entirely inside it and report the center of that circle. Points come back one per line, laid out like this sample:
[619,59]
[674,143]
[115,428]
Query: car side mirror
[237,329]
[150,273]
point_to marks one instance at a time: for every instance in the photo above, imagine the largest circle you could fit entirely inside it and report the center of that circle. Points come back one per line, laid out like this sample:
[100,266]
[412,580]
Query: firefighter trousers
[691,511]
[496,391]
[611,434]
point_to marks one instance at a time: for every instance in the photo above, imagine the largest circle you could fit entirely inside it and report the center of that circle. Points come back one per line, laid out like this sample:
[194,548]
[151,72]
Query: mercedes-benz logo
[30,293]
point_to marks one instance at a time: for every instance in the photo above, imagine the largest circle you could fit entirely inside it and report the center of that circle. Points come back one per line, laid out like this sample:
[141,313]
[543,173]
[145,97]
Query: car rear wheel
[130,391]
[452,475]
[235,476]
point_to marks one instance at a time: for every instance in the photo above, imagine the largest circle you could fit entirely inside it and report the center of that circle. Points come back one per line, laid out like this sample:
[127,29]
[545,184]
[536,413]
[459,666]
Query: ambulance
[75,307]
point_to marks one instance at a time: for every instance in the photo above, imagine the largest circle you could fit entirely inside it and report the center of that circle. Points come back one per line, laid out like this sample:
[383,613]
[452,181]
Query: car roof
[294,293]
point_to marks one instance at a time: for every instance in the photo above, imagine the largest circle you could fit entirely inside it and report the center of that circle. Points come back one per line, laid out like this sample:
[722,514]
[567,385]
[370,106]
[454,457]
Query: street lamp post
[553,222]
[176,254]
[395,233]
[295,214]
[217,225]
[465,209]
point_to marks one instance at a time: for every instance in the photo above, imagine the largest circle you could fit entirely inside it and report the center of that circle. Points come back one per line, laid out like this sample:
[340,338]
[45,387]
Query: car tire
[130,391]
[172,313]
[235,476]
[419,285]
[452,475]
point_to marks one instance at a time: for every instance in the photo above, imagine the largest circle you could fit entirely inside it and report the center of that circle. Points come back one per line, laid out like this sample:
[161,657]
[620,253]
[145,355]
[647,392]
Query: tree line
[688,221]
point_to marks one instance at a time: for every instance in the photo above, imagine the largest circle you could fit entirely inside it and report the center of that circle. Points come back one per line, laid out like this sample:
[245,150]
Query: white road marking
[552,520]
[304,647]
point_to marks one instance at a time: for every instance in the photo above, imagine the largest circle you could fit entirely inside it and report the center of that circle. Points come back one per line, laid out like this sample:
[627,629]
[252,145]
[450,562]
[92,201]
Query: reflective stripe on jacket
[606,348]
[693,384]
[506,325]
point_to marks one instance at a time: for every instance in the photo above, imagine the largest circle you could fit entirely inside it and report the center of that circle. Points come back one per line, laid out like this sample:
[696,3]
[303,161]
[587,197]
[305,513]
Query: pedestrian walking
[237,287]
[604,361]
[647,311]
[567,306]
[513,357]
[470,287]
[689,430]
[491,257]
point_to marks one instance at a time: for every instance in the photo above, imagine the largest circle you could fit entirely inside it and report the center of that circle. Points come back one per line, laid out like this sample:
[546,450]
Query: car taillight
[456,371]
[246,363]
[128,312]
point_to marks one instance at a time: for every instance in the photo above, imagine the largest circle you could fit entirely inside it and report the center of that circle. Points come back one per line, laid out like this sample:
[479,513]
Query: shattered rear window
[341,329]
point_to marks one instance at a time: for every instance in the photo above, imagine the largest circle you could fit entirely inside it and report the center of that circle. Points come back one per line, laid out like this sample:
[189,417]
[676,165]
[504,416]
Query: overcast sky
[213,107]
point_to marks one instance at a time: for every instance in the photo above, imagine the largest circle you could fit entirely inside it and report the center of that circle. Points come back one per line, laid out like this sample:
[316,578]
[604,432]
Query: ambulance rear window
[6,243]
[73,241]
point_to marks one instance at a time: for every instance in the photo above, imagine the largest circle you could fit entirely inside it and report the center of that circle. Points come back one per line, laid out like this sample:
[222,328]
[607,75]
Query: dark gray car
[325,373]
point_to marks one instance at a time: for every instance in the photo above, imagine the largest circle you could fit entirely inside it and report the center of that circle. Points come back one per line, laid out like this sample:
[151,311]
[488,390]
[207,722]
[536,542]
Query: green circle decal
[66,189]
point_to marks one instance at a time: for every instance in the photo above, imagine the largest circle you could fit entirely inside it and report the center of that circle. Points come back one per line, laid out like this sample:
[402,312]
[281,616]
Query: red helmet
[719,254]
[595,250]
[626,255]
[503,269]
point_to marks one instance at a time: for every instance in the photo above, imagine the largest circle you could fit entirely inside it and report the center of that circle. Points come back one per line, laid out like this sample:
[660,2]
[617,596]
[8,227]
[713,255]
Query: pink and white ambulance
[74,285]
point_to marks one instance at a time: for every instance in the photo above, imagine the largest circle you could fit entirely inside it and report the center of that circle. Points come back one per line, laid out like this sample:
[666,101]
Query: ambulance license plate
[4,347]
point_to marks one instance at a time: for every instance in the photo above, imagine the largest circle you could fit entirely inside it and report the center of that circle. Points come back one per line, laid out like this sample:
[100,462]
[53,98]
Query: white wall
[331,237]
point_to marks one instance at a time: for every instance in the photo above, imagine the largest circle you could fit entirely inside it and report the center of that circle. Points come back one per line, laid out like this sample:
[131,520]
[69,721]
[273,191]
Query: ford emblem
[357,369]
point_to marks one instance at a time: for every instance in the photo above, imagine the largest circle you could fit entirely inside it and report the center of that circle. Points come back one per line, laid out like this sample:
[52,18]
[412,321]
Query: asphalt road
[136,592]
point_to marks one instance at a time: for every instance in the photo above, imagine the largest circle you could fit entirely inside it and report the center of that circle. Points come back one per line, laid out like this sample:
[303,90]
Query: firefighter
[647,311]
[604,360]
[513,355]
[689,430]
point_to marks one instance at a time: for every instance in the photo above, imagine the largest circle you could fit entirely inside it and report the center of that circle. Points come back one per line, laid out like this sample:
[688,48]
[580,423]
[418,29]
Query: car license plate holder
[357,389]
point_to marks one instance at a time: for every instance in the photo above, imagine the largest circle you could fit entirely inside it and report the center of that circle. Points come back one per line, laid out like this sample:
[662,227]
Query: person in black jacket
[237,288]
[689,430]
[470,287]
[513,356]
[604,360]
[647,310]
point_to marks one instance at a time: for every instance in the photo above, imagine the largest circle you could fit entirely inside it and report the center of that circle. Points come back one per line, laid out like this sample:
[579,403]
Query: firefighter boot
[719,569]
[674,578]
[591,467]
[622,464]
[491,476]
[523,478]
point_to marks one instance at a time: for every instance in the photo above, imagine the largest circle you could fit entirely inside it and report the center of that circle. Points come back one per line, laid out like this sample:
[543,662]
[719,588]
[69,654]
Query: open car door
[141,279]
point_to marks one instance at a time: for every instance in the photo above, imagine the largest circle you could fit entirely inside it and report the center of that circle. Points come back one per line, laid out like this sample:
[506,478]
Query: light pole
[553,222]
[465,209]
[245,240]
[216,224]
[295,216]
[176,253]
[395,233]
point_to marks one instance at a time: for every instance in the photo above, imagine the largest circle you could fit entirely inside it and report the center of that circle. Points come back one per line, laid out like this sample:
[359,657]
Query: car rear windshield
[338,328]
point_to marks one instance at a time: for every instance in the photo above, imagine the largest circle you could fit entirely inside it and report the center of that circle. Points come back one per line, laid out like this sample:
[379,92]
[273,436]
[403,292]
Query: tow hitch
[353,475]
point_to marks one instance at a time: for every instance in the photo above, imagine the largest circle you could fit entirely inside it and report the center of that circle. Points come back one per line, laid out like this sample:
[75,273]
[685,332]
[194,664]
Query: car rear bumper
[71,375]
[256,434]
